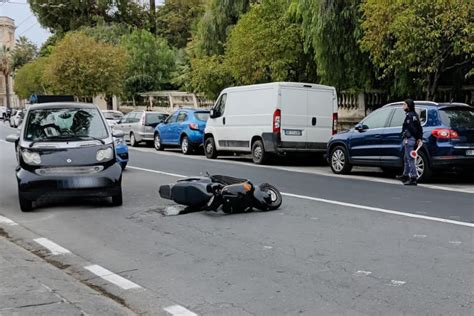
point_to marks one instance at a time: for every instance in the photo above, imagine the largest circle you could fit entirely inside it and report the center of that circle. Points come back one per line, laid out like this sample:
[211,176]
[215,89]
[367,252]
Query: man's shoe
[411,181]
[402,178]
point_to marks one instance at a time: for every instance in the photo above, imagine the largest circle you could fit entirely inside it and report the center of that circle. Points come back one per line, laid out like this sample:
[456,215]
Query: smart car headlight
[31,158]
[104,154]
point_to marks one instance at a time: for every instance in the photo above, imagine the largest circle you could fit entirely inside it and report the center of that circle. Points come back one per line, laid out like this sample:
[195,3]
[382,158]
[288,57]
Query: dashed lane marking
[54,248]
[112,277]
[7,221]
[178,310]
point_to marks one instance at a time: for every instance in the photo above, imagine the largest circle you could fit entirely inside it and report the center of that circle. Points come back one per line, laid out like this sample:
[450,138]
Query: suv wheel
[340,161]
[210,148]
[186,148]
[133,140]
[259,156]
[157,142]
[422,165]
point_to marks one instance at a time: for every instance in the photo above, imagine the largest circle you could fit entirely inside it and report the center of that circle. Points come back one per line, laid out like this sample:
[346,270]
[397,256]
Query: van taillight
[444,133]
[277,122]
[334,123]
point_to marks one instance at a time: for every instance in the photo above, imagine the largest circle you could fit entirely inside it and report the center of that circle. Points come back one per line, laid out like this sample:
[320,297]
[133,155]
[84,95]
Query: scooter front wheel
[275,196]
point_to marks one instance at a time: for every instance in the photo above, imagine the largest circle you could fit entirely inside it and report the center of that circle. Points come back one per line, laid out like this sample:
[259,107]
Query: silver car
[139,126]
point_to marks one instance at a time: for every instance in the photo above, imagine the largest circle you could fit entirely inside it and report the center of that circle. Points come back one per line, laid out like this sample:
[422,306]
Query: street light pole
[153,16]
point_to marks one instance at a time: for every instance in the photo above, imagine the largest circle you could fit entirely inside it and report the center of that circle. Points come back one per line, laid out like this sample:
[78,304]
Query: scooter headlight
[31,158]
[104,154]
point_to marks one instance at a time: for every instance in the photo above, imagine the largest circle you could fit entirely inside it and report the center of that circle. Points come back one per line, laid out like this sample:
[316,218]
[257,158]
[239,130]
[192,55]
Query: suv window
[135,117]
[459,117]
[377,119]
[155,118]
[172,118]
[182,117]
[399,117]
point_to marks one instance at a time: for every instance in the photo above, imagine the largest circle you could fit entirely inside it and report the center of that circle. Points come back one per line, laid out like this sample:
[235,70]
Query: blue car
[448,140]
[184,128]
[121,150]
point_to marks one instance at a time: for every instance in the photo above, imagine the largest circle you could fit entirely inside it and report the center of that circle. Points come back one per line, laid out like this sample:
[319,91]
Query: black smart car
[66,149]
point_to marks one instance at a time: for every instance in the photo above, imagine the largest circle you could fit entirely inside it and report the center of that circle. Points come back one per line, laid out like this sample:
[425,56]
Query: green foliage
[149,56]
[29,79]
[48,46]
[332,31]
[107,33]
[210,75]
[216,23]
[81,66]
[416,42]
[266,46]
[61,17]
[176,19]
[24,52]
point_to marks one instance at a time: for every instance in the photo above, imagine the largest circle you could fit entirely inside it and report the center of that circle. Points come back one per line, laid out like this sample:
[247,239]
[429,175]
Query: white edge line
[362,207]
[178,310]
[311,172]
[7,221]
[112,277]
[54,248]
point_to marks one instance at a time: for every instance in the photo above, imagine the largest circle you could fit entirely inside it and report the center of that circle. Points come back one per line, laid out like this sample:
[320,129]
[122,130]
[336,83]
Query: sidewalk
[31,286]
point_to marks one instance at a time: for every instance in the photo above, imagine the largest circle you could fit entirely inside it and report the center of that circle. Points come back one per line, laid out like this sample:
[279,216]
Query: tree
[176,19]
[216,23]
[332,31]
[6,69]
[30,80]
[110,33]
[419,41]
[49,44]
[24,52]
[60,17]
[81,66]
[150,57]
[266,46]
[210,75]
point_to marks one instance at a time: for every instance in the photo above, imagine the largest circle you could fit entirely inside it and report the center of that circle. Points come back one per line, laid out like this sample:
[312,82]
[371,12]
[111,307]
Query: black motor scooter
[233,194]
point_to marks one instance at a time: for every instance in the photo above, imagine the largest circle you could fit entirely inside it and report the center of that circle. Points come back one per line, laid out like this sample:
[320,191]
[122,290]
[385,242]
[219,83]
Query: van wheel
[117,198]
[157,142]
[423,169]
[25,204]
[339,161]
[133,140]
[186,148]
[259,156]
[210,148]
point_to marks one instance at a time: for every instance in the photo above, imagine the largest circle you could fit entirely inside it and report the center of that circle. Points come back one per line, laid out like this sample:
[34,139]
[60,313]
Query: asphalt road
[335,248]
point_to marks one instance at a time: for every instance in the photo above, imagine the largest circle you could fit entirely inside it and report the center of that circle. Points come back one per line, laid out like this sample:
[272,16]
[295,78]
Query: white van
[271,118]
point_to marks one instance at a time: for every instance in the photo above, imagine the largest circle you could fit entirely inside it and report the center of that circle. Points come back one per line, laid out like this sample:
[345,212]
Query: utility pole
[153,16]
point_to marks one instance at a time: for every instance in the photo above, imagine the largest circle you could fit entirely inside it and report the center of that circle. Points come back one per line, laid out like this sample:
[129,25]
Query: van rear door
[322,104]
[293,104]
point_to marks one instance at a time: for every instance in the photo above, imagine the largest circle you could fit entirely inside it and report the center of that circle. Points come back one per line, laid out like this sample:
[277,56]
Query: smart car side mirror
[12,138]
[360,127]
[118,133]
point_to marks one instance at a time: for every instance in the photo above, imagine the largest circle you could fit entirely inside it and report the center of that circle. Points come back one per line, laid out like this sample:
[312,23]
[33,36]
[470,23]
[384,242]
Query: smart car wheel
[186,146]
[133,141]
[340,161]
[25,204]
[117,199]
[210,148]
[157,142]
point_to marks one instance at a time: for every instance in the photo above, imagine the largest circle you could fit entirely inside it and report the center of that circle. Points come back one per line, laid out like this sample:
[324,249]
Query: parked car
[66,149]
[121,151]
[3,112]
[139,126]
[112,117]
[272,118]
[184,128]
[17,118]
[448,139]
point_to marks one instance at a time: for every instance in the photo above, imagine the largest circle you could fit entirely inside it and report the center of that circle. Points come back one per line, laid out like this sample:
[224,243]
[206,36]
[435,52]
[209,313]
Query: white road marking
[308,171]
[455,242]
[4,141]
[7,221]
[363,207]
[362,272]
[178,310]
[397,283]
[419,236]
[112,277]
[54,248]
[268,247]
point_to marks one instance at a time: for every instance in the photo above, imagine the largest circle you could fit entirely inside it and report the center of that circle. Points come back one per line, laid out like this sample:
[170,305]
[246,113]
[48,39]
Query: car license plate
[470,152]
[293,132]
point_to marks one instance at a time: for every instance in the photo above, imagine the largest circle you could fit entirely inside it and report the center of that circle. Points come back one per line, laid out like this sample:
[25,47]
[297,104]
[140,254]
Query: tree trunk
[153,16]
[7,92]
[433,85]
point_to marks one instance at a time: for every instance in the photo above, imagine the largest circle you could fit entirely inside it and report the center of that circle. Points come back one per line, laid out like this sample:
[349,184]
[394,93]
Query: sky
[26,23]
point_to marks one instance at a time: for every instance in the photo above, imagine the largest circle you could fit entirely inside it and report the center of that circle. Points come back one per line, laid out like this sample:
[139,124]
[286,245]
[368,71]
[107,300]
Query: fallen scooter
[213,192]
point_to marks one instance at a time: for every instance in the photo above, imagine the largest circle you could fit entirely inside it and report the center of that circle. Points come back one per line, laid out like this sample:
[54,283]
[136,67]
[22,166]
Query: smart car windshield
[73,124]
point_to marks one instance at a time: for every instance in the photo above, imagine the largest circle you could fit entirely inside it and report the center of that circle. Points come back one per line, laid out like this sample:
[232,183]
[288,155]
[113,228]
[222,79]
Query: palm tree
[5,69]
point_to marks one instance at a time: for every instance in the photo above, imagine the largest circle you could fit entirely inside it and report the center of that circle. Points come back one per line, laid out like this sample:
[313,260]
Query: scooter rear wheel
[276,198]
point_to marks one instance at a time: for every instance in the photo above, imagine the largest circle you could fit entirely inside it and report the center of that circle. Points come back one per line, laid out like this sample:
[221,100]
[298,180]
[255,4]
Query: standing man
[412,134]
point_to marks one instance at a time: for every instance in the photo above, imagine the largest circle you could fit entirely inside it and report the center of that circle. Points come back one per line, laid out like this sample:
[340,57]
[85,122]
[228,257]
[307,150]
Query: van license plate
[293,132]
[470,152]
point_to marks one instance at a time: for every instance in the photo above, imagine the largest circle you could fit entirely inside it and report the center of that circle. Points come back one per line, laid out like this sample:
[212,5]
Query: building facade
[7,39]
